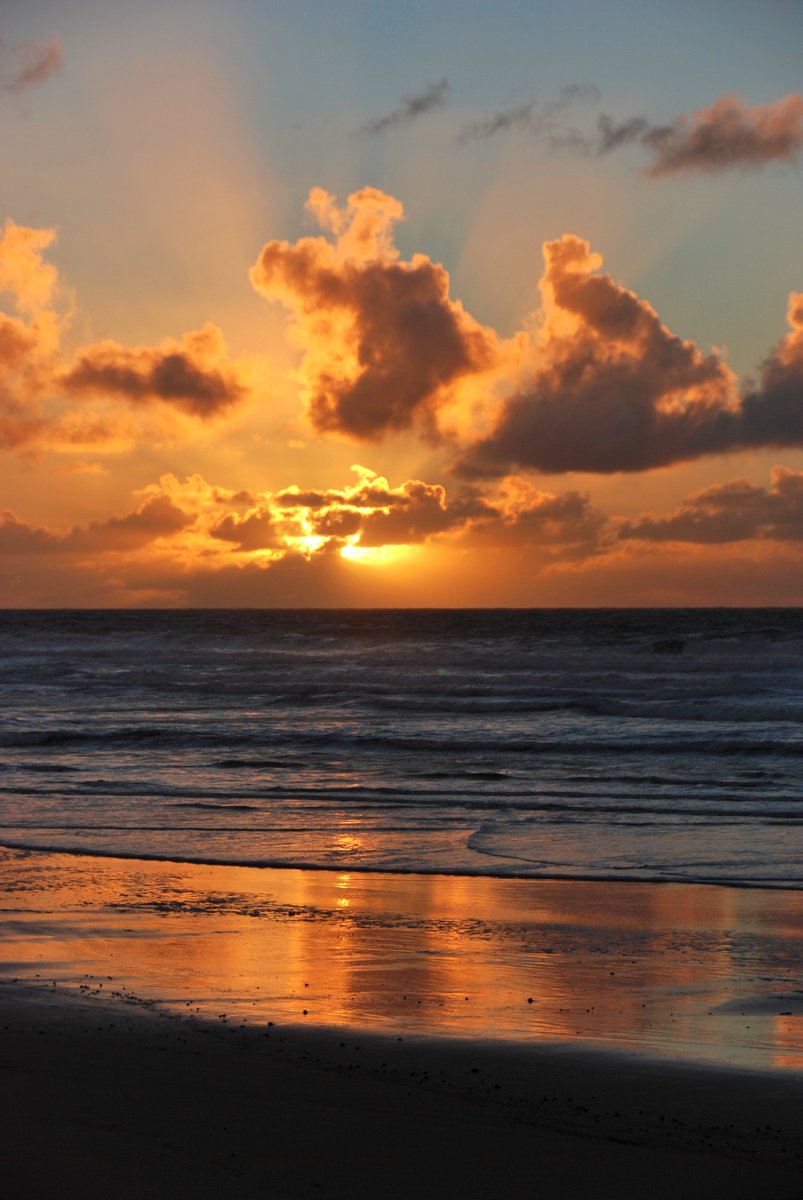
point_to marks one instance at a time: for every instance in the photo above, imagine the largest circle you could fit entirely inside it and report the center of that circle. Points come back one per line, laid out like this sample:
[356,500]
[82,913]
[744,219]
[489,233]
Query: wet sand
[172,1030]
[686,972]
[102,1097]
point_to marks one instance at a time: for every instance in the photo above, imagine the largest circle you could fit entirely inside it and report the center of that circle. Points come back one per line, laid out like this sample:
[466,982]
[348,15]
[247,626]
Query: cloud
[29,64]
[731,512]
[535,118]
[383,343]
[610,388]
[772,414]
[369,513]
[29,337]
[254,531]
[728,135]
[610,135]
[208,528]
[158,517]
[191,374]
[601,386]
[410,109]
[524,515]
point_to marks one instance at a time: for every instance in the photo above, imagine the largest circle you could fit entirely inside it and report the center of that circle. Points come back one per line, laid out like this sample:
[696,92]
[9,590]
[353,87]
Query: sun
[375,556]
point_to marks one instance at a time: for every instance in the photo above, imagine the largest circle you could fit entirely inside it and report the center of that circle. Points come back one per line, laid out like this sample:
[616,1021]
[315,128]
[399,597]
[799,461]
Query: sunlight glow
[371,555]
[306,545]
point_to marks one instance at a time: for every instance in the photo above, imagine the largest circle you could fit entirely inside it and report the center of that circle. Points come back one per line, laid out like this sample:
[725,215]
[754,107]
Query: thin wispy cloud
[29,64]
[410,109]
[729,135]
[535,117]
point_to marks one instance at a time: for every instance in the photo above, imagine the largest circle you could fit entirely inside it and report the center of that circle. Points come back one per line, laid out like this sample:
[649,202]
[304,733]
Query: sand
[176,1030]
[106,1098]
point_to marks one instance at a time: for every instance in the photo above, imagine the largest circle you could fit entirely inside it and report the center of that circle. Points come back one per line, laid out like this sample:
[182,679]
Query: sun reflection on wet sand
[657,968]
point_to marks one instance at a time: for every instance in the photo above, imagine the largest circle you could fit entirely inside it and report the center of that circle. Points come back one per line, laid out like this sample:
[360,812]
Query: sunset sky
[363,303]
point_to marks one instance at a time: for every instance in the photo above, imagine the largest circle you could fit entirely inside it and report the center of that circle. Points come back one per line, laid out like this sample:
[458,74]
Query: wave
[497,872]
[499,740]
[257,764]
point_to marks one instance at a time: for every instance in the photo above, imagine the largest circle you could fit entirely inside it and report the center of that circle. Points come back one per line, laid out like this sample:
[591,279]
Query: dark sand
[102,1098]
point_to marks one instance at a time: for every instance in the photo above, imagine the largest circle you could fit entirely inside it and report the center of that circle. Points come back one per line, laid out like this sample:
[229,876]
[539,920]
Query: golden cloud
[192,374]
[384,346]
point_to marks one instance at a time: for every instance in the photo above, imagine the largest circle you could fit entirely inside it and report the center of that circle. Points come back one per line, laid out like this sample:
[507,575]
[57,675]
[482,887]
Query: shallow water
[685,971]
[638,745]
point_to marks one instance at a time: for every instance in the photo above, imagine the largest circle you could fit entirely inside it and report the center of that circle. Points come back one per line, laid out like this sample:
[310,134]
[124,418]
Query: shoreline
[695,973]
[177,1030]
[361,869]
[107,1097]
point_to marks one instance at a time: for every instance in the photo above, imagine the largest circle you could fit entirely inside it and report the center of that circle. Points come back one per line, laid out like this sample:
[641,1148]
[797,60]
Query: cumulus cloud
[383,343]
[37,378]
[410,109]
[29,335]
[29,64]
[772,413]
[601,386]
[522,514]
[731,512]
[611,388]
[158,517]
[192,374]
[201,527]
[370,513]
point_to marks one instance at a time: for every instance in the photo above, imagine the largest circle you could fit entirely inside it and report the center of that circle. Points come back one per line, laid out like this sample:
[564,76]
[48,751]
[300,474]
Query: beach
[100,1098]
[242,1038]
[455,904]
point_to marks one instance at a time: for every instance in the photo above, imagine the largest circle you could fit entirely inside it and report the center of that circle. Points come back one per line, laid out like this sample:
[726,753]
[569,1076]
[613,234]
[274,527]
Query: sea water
[652,745]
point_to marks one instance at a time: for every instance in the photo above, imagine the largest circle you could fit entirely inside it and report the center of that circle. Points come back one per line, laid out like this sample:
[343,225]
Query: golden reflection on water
[625,964]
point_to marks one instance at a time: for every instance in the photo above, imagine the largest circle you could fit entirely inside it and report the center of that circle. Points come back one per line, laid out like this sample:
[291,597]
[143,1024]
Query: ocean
[649,745]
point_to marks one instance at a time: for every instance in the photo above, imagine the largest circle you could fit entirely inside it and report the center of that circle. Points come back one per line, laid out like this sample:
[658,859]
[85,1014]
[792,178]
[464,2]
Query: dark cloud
[410,109]
[614,390]
[255,531]
[728,135]
[157,517]
[29,64]
[191,375]
[563,526]
[725,136]
[377,514]
[371,514]
[295,497]
[418,512]
[383,342]
[612,135]
[538,119]
[731,512]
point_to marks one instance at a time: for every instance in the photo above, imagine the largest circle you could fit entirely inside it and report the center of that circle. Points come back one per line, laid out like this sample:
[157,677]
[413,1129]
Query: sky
[362,303]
